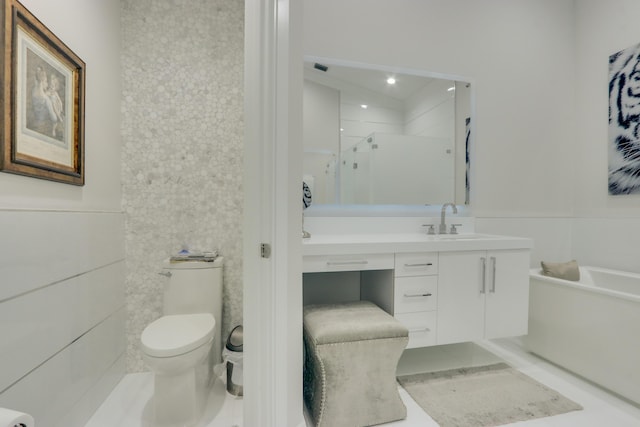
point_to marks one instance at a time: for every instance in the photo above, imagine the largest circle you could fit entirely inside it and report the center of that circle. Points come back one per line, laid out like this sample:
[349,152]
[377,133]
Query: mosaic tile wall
[182,106]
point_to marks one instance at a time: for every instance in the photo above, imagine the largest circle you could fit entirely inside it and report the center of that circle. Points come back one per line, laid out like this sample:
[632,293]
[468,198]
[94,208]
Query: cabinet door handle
[417,295]
[483,282]
[355,262]
[419,330]
[426,264]
[493,275]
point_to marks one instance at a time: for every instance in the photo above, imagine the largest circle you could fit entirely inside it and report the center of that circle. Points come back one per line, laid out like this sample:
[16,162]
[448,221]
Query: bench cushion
[346,322]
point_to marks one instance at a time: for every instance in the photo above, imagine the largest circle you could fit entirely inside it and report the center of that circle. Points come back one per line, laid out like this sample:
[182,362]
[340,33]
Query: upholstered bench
[351,354]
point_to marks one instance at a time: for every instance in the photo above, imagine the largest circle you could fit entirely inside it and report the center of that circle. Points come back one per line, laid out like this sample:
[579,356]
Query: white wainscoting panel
[39,248]
[551,236]
[607,242]
[51,392]
[95,397]
[62,312]
[38,324]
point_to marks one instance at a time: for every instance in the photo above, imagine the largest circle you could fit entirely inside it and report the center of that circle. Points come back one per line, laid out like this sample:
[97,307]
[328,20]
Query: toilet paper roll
[11,418]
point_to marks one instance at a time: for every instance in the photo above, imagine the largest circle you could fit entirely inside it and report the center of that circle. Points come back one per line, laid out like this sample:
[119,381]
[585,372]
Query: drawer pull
[493,275]
[426,264]
[483,282]
[356,262]
[417,295]
[419,330]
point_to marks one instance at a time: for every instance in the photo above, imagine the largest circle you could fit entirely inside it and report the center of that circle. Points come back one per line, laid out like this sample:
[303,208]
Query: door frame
[272,300]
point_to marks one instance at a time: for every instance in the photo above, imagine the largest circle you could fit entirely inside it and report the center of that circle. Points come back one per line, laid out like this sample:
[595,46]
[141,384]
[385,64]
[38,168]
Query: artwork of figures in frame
[43,101]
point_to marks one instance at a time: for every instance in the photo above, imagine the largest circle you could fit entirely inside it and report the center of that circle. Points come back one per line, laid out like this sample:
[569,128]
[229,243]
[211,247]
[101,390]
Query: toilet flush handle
[165,273]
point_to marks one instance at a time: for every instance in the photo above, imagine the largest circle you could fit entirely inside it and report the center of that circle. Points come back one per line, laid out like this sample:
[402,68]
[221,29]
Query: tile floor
[128,405]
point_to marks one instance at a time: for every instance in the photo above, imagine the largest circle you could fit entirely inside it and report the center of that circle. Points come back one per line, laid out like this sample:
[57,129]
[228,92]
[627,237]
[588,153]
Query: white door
[507,297]
[461,296]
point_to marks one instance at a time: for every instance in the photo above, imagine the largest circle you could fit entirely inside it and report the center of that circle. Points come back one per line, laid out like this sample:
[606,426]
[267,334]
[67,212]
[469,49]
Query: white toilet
[182,346]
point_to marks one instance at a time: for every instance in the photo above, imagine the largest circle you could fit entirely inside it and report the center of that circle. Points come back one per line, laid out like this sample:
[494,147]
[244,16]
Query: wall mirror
[376,136]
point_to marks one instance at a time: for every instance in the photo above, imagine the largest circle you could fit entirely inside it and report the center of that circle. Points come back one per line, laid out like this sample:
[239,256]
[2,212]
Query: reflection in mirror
[373,136]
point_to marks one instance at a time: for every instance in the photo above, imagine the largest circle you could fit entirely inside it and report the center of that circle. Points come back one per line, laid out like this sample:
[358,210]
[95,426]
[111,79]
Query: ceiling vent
[320,67]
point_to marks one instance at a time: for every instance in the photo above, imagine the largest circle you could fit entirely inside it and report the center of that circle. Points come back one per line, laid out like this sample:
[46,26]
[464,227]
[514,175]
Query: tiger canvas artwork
[624,121]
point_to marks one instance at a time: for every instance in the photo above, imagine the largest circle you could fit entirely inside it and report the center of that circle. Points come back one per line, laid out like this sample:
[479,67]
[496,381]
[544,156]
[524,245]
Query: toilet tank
[193,287]
[196,287]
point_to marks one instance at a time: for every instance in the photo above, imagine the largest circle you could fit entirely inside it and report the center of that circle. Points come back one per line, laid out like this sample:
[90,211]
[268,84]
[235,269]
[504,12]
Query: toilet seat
[174,335]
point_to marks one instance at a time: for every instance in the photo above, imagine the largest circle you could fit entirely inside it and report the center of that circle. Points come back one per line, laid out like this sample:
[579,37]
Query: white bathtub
[591,327]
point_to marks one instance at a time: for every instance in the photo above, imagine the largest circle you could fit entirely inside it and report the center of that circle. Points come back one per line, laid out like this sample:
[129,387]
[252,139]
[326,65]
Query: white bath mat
[484,396]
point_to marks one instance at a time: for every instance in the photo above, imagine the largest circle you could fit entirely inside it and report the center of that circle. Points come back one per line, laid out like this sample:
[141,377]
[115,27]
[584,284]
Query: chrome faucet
[443,227]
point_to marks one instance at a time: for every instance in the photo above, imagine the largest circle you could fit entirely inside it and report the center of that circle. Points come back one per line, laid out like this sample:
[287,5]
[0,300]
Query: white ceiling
[369,79]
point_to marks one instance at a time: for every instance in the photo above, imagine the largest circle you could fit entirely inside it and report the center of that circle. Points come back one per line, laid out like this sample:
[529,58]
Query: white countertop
[347,244]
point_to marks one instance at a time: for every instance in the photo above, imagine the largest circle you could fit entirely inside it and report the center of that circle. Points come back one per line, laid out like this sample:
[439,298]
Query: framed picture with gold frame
[42,112]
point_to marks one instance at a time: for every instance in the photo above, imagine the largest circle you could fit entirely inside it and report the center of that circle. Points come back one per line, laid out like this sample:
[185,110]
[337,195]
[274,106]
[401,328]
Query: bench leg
[353,384]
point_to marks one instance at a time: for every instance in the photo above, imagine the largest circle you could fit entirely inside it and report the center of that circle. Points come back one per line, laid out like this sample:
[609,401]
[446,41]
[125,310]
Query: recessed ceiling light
[391,81]
[364,106]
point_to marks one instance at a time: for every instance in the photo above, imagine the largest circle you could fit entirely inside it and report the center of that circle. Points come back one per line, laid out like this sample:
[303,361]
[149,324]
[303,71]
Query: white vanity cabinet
[444,289]
[482,294]
[415,296]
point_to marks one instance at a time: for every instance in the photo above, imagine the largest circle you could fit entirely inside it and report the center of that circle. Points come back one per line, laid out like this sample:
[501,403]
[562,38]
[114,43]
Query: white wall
[431,111]
[520,59]
[607,228]
[321,116]
[431,179]
[62,247]
[321,139]
[540,73]
[383,114]
[182,163]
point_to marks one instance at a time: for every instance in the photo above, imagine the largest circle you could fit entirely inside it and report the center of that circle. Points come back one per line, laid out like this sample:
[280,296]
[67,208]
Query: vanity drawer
[422,328]
[412,294]
[320,263]
[416,264]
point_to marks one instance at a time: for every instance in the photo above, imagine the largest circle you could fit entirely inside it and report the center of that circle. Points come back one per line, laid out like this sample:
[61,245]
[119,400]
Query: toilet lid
[177,334]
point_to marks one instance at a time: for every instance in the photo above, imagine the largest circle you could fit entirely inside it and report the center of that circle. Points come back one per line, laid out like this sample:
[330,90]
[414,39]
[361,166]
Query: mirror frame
[348,210]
